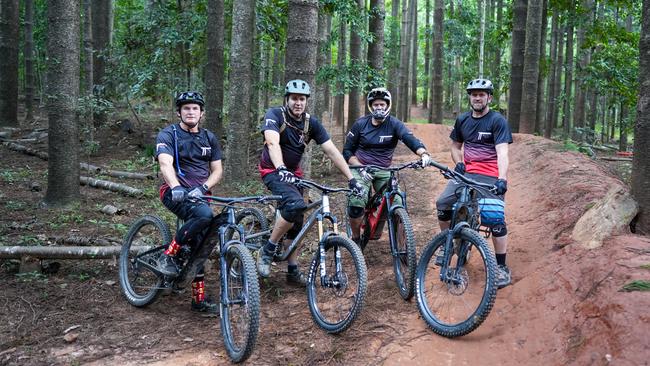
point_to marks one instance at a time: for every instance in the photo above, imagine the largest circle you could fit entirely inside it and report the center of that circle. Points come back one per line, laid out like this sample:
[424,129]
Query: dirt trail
[564,306]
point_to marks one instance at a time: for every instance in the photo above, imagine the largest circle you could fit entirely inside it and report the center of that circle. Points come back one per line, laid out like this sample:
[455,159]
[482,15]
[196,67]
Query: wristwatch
[205,187]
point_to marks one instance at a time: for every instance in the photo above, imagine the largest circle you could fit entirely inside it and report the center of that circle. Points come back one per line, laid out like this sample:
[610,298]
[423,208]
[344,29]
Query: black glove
[285,175]
[500,187]
[460,168]
[356,187]
[179,193]
[198,191]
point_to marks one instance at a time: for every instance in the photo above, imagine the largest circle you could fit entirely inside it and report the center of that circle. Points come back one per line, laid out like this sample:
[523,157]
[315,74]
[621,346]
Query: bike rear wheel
[253,221]
[404,259]
[240,303]
[147,238]
[458,305]
[336,302]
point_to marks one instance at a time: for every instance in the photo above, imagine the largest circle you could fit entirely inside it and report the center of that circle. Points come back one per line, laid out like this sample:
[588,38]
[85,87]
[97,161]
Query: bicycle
[337,278]
[381,206]
[455,291]
[141,282]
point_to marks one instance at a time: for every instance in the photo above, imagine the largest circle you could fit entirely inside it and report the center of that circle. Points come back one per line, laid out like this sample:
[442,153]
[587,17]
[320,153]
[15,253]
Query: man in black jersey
[479,148]
[287,131]
[190,163]
[372,140]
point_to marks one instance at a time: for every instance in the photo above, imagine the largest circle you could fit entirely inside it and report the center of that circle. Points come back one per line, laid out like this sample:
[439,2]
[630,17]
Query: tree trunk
[517,63]
[215,67]
[622,128]
[328,63]
[552,104]
[319,107]
[376,46]
[568,79]
[558,76]
[641,160]
[9,41]
[543,77]
[427,55]
[339,103]
[531,67]
[496,80]
[356,64]
[481,39]
[88,65]
[580,97]
[102,11]
[435,113]
[241,53]
[394,51]
[63,93]
[402,91]
[29,60]
[414,54]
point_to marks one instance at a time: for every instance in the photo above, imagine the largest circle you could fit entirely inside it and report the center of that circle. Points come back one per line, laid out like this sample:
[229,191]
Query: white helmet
[383,94]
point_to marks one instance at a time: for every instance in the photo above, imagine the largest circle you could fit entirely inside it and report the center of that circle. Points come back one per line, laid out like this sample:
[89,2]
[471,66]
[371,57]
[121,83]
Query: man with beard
[479,148]
[190,163]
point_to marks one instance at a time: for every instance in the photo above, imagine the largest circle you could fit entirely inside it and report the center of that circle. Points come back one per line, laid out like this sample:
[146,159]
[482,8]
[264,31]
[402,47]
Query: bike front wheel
[404,252]
[240,302]
[454,298]
[145,241]
[336,299]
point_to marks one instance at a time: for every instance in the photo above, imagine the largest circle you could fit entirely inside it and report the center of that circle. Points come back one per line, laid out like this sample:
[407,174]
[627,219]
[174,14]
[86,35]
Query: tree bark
[394,51]
[376,46]
[88,65]
[339,100]
[65,252]
[63,93]
[552,104]
[402,92]
[414,55]
[241,52]
[542,75]
[319,106]
[568,79]
[110,186]
[215,67]
[481,39]
[580,98]
[29,60]
[531,67]
[435,113]
[102,31]
[496,80]
[517,63]
[356,64]
[427,55]
[559,63]
[9,41]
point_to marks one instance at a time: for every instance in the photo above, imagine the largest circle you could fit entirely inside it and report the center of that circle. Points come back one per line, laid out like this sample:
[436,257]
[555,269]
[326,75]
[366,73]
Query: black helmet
[480,84]
[190,97]
[383,94]
[297,86]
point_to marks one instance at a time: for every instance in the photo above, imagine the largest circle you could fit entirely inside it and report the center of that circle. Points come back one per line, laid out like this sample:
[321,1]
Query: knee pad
[355,212]
[499,230]
[444,215]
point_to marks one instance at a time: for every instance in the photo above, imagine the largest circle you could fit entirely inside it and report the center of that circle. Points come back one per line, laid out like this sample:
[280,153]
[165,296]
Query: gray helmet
[297,86]
[189,97]
[480,84]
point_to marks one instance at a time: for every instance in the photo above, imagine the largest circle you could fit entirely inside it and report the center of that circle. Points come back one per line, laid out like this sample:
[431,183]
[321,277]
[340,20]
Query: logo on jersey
[482,134]
[270,122]
[206,151]
[350,134]
[385,138]
[161,145]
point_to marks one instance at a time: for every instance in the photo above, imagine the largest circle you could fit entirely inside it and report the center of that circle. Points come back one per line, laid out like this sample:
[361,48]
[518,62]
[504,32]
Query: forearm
[421,151]
[457,155]
[214,178]
[275,153]
[502,163]
[169,174]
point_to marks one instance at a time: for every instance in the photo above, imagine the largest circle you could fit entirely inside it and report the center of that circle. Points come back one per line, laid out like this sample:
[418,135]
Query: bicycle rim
[456,307]
[240,311]
[143,245]
[404,262]
[335,304]
[252,221]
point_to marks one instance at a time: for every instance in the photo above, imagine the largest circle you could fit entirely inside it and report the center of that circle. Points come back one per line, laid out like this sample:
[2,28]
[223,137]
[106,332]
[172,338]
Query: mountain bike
[456,290]
[382,207]
[141,281]
[337,278]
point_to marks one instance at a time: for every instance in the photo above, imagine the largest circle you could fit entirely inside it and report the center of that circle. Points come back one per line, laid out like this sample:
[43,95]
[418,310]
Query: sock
[291,268]
[173,248]
[270,247]
[198,290]
[501,259]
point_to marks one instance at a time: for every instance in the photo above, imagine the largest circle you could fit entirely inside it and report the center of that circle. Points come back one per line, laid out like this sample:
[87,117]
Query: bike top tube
[393,168]
[452,174]
[232,201]
[324,189]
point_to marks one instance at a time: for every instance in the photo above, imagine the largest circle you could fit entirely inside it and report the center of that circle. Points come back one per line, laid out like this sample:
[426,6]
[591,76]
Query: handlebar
[452,174]
[234,200]
[413,164]
[324,189]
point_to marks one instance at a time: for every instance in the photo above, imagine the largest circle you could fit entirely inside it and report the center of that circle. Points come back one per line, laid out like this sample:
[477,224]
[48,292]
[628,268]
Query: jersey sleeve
[501,132]
[272,120]
[352,141]
[456,134]
[165,143]
[317,131]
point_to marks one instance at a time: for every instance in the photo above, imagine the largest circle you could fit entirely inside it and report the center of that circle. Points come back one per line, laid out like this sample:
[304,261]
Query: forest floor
[565,305]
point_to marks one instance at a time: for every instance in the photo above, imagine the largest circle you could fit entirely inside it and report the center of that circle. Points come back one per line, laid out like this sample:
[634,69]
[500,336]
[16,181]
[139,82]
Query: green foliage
[645,266]
[636,285]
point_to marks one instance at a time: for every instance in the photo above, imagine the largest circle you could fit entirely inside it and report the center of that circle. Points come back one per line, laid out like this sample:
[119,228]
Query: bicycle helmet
[297,86]
[190,97]
[480,84]
[383,94]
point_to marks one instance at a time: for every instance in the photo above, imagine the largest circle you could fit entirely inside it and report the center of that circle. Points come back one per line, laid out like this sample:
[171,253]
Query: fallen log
[614,159]
[58,252]
[26,150]
[115,173]
[85,241]
[111,186]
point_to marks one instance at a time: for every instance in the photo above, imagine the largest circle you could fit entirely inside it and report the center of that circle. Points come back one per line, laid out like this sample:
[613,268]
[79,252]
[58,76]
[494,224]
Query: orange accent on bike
[173,248]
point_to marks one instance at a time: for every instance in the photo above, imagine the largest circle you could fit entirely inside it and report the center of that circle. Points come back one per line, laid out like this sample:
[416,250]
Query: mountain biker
[190,162]
[287,130]
[479,148]
[372,140]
